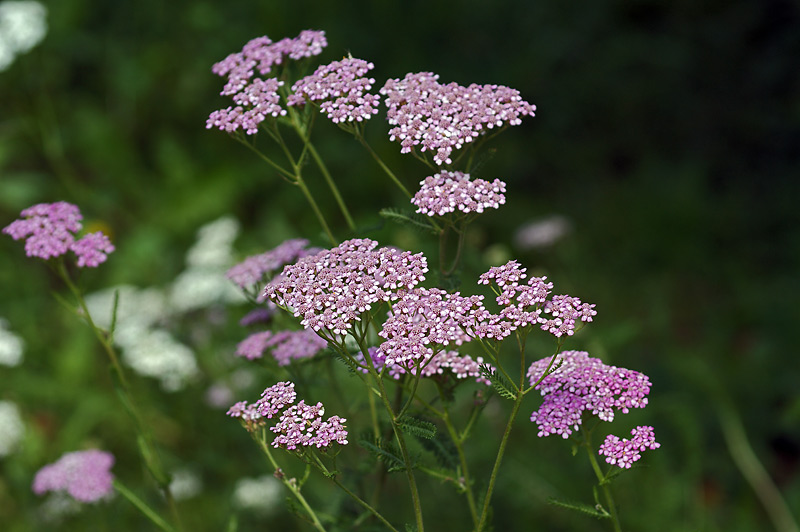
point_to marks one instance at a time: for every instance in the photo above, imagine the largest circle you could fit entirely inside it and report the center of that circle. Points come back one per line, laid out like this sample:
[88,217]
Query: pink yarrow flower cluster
[442,118]
[443,363]
[425,320]
[624,452]
[342,89]
[257,98]
[273,400]
[84,475]
[528,303]
[581,384]
[256,269]
[49,230]
[447,192]
[285,346]
[330,290]
[299,425]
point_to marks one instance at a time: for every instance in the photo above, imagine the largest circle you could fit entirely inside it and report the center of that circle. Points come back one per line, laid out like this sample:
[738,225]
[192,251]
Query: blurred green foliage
[667,132]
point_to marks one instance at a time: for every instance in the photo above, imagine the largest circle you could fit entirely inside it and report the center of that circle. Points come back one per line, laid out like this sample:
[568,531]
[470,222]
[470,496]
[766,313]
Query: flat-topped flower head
[426,319]
[49,230]
[447,192]
[444,363]
[302,425]
[256,269]
[256,102]
[624,452]
[275,398]
[84,475]
[299,425]
[342,88]
[285,346]
[440,118]
[330,290]
[257,98]
[581,384]
[527,303]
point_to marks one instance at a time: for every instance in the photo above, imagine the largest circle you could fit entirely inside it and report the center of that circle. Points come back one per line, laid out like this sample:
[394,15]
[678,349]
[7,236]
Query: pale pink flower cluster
[256,269]
[84,475]
[447,192]
[273,400]
[442,363]
[330,290]
[441,118]
[49,230]
[299,425]
[342,89]
[581,384]
[257,98]
[624,452]
[284,345]
[425,319]
[302,425]
[527,304]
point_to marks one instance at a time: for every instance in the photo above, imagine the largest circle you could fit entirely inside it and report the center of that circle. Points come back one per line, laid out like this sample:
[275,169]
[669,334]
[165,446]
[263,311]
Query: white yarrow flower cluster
[11,346]
[23,25]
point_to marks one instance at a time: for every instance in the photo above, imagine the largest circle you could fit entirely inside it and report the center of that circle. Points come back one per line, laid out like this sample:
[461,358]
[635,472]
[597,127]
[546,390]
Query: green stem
[473,508]
[383,166]
[488,498]
[331,184]
[753,471]
[601,480]
[148,448]
[365,504]
[261,440]
[142,506]
[315,208]
[412,482]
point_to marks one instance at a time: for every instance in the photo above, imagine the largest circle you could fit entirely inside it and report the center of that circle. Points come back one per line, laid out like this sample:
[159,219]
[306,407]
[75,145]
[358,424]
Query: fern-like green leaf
[443,450]
[595,511]
[409,218]
[417,427]
[386,452]
[499,382]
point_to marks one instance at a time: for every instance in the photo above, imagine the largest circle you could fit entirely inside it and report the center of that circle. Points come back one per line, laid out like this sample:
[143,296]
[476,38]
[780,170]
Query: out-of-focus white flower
[11,346]
[11,428]
[136,308]
[185,484]
[155,353]
[203,282]
[258,494]
[150,351]
[198,288]
[23,25]
[214,246]
[542,232]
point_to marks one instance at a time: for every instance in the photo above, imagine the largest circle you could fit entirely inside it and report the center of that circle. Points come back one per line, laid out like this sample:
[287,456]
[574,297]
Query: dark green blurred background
[667,132]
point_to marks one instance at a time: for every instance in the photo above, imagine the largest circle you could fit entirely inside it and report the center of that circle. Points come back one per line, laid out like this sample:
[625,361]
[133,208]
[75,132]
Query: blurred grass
[666,132]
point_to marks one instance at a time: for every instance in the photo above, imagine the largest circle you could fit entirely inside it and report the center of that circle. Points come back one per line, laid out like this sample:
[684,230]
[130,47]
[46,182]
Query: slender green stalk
[331,184]
[261,440]
[148,448]
[143,507]
[383,166]
[458,442]
[601,480]
[315,208]
[488,498]
[412,482]
[753,471]
[365,504]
